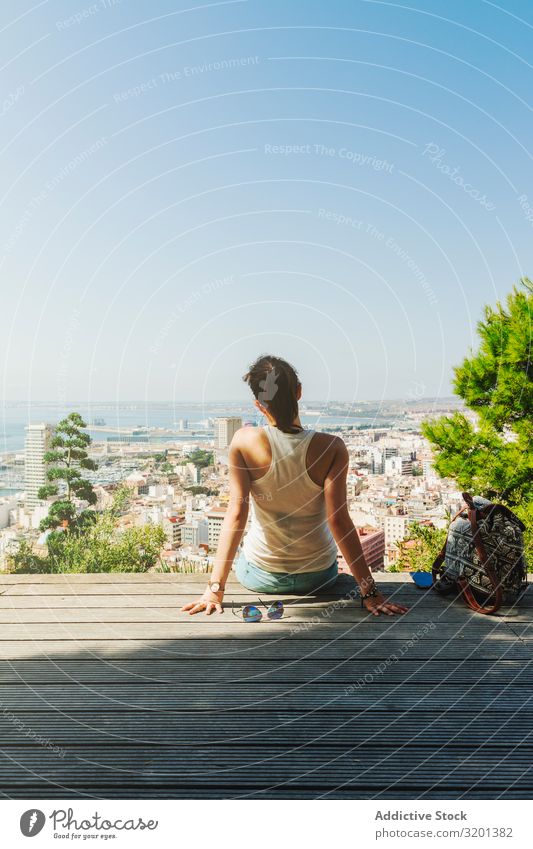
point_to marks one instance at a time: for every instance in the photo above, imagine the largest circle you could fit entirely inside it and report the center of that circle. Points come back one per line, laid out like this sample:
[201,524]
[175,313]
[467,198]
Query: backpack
[483,556]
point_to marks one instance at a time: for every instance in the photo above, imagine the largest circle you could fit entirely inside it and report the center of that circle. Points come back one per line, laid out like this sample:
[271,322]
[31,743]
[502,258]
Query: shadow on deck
[108,691]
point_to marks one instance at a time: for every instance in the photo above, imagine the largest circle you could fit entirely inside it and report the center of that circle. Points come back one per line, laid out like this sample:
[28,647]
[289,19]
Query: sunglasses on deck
[251,613]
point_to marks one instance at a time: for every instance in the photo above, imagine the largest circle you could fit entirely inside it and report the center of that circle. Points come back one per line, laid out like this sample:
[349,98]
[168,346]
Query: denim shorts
[299,583]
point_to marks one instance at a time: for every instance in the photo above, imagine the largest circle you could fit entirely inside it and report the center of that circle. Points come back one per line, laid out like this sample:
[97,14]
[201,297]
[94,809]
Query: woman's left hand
[209,602]
[377,604]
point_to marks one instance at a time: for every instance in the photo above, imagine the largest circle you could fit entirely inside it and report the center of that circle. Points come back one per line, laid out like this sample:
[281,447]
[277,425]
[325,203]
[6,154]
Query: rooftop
[109,691]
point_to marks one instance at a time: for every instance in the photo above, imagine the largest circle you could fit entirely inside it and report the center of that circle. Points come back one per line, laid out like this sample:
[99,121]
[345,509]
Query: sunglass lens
[251,613]
[275,611]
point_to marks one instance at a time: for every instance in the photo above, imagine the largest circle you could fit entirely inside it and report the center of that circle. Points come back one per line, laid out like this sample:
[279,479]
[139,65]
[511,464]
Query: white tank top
[288,530]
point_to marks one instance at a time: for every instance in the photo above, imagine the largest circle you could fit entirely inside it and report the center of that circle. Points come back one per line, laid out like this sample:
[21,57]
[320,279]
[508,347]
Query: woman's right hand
[378,604]
[209,602]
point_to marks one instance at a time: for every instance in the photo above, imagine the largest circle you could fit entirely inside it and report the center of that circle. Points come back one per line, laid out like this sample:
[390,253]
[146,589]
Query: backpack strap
[466,590]
[439,559]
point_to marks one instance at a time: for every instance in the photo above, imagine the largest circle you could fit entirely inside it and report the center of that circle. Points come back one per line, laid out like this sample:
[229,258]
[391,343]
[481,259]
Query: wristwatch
[215,586]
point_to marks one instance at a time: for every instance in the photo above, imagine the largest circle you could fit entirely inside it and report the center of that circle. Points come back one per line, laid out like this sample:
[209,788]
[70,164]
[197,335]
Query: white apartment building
[38,438]
[395,528]
[224,430]
[215,520]
[194,533]
[7,505]
[428,470]
[9,543]
[172,526]
[393,465]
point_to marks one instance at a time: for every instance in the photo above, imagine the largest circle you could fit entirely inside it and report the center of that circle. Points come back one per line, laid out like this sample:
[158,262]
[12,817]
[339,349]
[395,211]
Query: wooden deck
[107,690]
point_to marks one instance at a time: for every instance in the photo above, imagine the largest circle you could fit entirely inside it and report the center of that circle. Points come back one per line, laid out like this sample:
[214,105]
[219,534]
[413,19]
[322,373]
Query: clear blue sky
[185,185]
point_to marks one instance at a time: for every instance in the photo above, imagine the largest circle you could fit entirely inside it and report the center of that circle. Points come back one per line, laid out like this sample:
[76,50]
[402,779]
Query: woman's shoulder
[251,446]
[326,439]
[248,433]
[322,453]
[325,444]
[248,438]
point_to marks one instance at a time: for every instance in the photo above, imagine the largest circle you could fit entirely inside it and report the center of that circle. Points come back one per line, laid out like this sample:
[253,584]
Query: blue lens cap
[422,579]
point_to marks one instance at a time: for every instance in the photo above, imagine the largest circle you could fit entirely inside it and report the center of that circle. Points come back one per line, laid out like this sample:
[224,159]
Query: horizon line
[228,401]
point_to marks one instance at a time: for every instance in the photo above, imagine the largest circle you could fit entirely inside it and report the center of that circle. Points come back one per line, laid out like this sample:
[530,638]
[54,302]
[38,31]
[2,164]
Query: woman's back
[289,530]
[296,481]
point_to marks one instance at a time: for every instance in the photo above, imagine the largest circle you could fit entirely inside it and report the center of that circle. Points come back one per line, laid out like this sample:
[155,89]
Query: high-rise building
[224,430]
[373,545]
[38,438]
[215,520]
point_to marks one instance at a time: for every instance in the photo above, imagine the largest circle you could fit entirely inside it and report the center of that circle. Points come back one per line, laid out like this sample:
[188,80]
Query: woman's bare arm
[345,534]
[233,528]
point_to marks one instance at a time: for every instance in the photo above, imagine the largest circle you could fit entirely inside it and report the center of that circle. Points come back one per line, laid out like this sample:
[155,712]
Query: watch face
[215,586]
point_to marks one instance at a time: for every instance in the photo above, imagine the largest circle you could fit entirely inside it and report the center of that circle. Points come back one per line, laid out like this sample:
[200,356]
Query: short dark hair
[275,383]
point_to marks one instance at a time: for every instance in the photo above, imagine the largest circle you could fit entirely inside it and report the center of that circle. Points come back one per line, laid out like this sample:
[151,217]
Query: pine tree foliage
[492,455]
[66,458]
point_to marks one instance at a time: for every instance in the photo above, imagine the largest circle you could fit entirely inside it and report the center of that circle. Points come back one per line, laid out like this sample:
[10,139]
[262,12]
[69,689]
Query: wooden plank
[217,697]
[99,583]
[523,629]
[293,648]
[12,609]
[191,591]
[248,791]
[187,627]
[319,614]
[194,582]
[151,577]
[98,577]
[129,588]
[187,586]
[188,593]
[387,578]
[381,728]
[263,671]
[302,767]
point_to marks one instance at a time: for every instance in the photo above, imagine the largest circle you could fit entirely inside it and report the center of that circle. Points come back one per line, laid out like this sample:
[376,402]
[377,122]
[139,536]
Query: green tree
[24,559]
[201,490]
[102,546]
[201,458]
[67,456]
[492,456]
[420,548]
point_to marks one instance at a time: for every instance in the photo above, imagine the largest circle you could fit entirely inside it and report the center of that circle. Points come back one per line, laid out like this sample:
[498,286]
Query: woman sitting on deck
[297,480]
